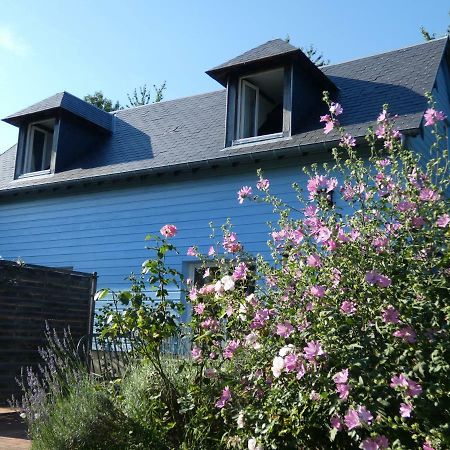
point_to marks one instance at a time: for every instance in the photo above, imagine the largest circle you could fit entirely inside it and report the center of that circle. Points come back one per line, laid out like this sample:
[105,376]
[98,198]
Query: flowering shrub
[345,342]
[342,340]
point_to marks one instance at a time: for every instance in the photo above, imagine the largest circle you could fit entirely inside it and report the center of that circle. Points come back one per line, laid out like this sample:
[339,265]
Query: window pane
[248,111]
[37,153]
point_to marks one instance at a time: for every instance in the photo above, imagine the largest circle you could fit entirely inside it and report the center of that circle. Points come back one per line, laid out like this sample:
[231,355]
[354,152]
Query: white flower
[228,283]
[277,366]
[286,350]
[251,340]
[252,445]
[240,419]
[218,287]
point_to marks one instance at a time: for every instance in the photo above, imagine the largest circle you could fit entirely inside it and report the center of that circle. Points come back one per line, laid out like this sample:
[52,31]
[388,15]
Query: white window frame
[28,150]
[241,109]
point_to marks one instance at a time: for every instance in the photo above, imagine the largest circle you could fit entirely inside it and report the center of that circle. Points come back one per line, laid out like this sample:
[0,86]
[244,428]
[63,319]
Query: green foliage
[86,419]
[144,96]
[100,101]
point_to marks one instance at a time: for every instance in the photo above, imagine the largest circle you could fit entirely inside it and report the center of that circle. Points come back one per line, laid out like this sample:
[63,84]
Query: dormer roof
[66,102]
[276,51]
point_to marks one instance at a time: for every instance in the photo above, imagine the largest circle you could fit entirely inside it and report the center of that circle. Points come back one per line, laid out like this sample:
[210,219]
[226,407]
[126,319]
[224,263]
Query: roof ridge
[385,53]
[168,101]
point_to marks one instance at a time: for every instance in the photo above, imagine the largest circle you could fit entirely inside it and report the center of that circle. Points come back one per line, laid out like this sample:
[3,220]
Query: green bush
[87,419]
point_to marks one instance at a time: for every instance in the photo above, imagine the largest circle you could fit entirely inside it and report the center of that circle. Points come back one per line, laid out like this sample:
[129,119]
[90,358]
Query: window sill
[264,137]
[34,174]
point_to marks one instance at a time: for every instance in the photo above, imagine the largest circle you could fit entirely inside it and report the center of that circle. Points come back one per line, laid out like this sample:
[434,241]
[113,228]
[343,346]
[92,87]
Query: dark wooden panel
[30,297]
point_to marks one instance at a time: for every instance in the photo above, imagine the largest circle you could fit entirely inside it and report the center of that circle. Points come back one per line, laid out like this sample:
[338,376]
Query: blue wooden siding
[103,230]
[441,95]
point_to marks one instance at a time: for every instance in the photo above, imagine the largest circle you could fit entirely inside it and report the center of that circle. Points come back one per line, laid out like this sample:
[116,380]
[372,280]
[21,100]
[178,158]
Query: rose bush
[342,339]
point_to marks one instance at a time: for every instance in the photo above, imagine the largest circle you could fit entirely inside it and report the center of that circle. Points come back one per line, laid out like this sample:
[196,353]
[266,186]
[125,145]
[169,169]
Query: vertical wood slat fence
[30,297]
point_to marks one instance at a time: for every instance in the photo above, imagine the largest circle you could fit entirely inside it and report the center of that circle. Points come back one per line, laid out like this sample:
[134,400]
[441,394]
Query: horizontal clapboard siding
[103,230]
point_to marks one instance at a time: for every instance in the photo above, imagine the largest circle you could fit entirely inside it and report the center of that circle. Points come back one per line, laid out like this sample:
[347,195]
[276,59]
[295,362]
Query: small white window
[249,114]
[38,147]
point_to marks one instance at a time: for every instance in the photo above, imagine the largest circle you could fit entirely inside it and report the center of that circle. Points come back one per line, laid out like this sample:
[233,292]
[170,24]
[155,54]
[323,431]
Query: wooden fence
[30,296]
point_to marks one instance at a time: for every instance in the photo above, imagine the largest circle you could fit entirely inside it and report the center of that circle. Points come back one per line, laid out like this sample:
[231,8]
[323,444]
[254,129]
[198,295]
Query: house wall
[441,95]
[103,230]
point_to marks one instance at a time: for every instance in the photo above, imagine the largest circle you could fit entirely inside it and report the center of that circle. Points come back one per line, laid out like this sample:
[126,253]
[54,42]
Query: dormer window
[37,148]
[260,104]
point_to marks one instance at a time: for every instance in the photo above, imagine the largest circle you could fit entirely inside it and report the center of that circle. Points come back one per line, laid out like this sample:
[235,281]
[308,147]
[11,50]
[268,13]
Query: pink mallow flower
[390,315]
[192,251]
[348,307]
[336,109]
[263,184]
[230,243]
[320,183]
[432,116]
[406,410]
[243,193]
[347,141]
[443,221]
[199,308]
[428,195]
[291,362]
[351,419]
[224,399]
[284,329]
[341,377]
[314,260]
[336,422]
[240,272]
[230,348]
[380,442]
[168,230]
[427,446]
[313,350]
[196,353]
[317,291]
[343,390]
[373,277]
[406,333]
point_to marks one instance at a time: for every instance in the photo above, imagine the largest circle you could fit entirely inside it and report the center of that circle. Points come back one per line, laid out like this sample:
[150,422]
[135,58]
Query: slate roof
[270,49]
[67,102]
[189,132]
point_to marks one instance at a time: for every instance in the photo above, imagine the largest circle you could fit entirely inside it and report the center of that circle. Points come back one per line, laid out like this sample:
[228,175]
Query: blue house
[83,187]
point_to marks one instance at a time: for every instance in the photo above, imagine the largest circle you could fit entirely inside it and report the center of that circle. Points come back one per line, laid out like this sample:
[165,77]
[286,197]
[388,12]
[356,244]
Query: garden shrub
[345,341]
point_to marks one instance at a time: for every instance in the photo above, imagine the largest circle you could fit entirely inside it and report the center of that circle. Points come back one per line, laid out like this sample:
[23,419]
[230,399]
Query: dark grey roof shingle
[270,49]
[67,102]
[190,131]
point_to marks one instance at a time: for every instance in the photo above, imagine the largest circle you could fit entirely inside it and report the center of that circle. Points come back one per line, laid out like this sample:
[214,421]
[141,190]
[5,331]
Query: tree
[431,36]
[312,53]
[143,97]
[100,101]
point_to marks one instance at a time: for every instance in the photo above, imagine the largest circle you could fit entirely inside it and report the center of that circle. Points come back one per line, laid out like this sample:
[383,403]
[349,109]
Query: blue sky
[85,45]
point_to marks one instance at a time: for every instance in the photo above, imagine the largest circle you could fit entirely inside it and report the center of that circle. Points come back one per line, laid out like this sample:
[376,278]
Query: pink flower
[285,329]
[427,446]
[390,315]
[399,381]
[211,251]
[443,220]
[314,396]
[382,442]
[369,444]
[313,350]
[196,353]
[211,373]
[168,230]
[348,307]
[365,415]
[341,377]
[317,291]
[230,349]
[210,324]
[199,308]
[230,243]
[418,222]
[240,272]
[406,333]
[336,422]
[290,362]
[383,116]
[428,195]
[406,409]
[343,391]
[351,419]
[414,388]
[432,116]
[320,183]
[347,141]
[336,109]
[192,251]
[374,277]
[193,294]
[263,184]
[225,398]
[243,193]
[323,234]
[314,260]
